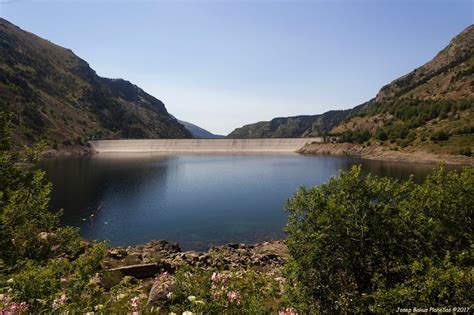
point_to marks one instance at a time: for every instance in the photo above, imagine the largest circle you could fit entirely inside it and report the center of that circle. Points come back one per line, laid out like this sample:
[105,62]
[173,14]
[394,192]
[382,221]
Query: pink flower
[135,303]
[234,297]
[14,308]
[288,311]
[58,302]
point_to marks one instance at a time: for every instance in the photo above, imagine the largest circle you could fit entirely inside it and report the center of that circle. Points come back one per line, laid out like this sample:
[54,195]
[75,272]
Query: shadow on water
[197,200]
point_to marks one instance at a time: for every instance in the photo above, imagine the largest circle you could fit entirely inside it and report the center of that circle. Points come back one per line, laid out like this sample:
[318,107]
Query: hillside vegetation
[431,108]
[52,94]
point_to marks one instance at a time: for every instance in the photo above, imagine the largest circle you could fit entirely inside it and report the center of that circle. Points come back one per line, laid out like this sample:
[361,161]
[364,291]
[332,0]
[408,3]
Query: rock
[117,253]
[144,261]
[143,270]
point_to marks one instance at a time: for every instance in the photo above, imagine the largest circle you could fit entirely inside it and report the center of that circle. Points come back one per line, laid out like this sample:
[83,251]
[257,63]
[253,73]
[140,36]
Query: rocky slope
[443,87]
[449,75]
[51,93]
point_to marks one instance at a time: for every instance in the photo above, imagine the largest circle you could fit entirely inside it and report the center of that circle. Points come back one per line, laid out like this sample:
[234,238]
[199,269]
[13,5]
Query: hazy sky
[223,64]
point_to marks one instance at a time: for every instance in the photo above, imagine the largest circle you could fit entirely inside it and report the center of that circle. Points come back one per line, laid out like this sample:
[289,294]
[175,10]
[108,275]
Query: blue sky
[223,64]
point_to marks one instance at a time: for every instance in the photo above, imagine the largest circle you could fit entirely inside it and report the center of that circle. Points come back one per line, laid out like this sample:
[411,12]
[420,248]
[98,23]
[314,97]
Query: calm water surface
[195,200]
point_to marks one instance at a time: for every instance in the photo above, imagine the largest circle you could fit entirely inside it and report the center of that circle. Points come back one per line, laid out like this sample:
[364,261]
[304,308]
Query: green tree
[356,242]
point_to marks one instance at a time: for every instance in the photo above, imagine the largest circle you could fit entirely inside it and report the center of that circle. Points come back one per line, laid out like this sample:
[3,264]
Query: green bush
[464,151]
[369,244]
[381,135]
[439,136]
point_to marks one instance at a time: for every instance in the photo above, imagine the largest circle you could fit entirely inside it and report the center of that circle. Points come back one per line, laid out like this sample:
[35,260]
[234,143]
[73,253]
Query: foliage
[357,136]
[370,244]
[36,253]
[439,136]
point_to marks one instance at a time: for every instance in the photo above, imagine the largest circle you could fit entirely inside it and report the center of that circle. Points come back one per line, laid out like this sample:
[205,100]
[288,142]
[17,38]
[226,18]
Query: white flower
[187,313]
[191,298]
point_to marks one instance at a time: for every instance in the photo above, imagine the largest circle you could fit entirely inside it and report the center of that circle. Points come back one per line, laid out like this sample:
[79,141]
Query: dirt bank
[378,152]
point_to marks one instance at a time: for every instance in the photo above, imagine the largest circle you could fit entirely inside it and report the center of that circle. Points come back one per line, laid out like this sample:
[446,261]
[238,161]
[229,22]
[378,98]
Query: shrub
[369,244]
[439,136]
[464,151]
[381,135]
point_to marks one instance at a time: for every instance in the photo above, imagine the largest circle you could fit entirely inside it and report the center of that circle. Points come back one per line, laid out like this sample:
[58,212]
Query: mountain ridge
[55,95]
[198,132]
[449,76]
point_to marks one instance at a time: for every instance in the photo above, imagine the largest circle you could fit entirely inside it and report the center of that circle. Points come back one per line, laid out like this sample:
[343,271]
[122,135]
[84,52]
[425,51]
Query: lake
[197,200]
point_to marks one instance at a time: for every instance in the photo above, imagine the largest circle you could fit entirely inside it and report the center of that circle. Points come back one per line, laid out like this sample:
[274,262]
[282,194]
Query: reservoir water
[197,200]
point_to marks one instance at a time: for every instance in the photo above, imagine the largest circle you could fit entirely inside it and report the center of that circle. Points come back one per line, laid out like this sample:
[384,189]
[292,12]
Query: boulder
[142,271]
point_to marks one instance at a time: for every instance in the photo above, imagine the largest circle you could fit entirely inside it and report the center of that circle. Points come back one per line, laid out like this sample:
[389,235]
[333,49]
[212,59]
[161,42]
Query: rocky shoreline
[145,261]
[380,153]
[68,151]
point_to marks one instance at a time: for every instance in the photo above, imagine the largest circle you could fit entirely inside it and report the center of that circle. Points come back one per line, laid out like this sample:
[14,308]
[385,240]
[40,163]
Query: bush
[464,151]
[381,135]
[439,136]
[369,244]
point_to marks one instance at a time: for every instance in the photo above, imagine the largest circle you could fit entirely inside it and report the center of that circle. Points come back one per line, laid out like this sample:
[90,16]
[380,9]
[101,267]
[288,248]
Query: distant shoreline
[371,152]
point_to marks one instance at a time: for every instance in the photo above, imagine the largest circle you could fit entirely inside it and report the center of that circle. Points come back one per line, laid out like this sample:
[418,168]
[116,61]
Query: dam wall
[202,145]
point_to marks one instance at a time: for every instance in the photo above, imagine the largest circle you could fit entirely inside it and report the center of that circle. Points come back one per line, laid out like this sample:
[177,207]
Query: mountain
[53,94]
[198,132]
[449,75]
[441,93]
[292,127]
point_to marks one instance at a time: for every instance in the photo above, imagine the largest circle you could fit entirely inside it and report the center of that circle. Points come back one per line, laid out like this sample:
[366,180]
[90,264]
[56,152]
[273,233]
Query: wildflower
[60,301]
[218,284]
[135,303]
[15,308]
[191,298]
[288,311]
[234,297]
[169,295]
[187,313]
[23,307]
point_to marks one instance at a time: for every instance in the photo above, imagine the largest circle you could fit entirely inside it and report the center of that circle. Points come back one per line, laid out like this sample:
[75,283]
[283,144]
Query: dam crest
[202,145]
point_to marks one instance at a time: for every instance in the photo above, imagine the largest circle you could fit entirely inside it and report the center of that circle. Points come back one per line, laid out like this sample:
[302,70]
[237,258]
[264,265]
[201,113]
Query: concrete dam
[202,145]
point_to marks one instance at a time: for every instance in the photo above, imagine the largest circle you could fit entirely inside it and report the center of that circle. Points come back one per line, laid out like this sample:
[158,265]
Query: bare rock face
[146,261]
